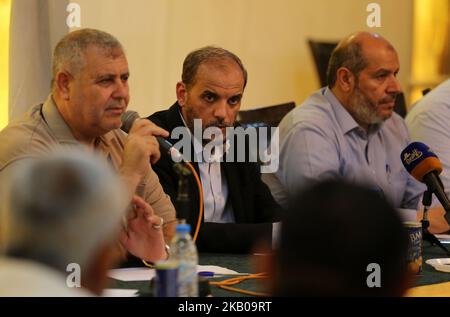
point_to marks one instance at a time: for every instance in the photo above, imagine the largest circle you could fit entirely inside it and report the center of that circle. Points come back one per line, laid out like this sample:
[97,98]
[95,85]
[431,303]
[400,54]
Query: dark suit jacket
[253,205]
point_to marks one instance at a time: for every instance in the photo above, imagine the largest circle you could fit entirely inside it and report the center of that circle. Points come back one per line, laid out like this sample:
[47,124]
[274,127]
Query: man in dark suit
[239,209]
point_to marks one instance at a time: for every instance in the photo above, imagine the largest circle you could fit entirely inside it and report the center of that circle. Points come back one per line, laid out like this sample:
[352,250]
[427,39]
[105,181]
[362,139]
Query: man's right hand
[141,147]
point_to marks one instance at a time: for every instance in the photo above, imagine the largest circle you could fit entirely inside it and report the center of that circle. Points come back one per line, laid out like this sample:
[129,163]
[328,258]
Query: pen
[206,273]
[212,274]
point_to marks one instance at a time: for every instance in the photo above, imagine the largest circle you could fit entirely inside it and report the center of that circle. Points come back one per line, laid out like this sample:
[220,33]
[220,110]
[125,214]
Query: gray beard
[363,109]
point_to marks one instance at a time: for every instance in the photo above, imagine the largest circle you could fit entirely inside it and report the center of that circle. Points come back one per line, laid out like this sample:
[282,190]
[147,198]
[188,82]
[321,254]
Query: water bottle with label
[184,251]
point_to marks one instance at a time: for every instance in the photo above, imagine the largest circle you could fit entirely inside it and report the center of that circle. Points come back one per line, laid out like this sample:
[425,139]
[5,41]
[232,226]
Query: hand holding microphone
[141,145]
[128,119]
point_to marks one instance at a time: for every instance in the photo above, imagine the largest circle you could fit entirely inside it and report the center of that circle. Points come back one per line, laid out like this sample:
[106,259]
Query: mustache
[389,98]
[117,106]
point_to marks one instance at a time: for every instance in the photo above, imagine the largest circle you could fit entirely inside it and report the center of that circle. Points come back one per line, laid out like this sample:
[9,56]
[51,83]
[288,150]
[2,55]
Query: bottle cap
[183,227]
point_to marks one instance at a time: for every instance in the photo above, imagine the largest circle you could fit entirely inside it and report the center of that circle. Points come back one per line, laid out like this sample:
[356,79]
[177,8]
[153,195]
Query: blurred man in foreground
[357,229]
[62,213]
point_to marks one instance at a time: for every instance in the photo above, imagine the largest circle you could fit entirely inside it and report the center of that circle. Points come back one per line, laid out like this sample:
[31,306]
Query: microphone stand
[182,202]
[426,234]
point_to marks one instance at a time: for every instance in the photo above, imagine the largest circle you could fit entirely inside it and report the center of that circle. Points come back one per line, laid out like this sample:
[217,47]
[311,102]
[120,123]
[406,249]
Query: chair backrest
[426,91]
[400,105]
[321,52]
[266,116]
[263,119]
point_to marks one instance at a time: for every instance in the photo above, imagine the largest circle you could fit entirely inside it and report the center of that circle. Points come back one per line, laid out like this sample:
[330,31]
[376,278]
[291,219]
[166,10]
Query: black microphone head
[164,144]
[128,118]
[167,147]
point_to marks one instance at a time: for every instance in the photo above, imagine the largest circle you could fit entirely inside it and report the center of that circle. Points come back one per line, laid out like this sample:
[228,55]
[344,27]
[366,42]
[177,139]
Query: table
[430,275]
[238,262]
[243,264]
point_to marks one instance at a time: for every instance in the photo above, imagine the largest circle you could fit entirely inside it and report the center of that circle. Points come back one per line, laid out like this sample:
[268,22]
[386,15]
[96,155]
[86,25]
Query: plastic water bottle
[184,251]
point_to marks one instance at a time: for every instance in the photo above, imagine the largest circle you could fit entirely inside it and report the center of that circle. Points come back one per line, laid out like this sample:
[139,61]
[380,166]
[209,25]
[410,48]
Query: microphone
[129,117]
[182,203]
[425,166]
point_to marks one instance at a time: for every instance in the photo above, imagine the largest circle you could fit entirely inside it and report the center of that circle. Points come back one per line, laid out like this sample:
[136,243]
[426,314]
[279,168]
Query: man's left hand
[143,236]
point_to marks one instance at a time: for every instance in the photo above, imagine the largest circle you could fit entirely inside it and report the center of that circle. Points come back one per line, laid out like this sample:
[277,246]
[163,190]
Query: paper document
[116,292]
[146,274]
[444,238]
[218,270]
[132,274]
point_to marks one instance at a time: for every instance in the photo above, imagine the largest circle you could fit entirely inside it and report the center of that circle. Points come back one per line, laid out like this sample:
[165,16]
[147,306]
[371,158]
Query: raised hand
[143,235]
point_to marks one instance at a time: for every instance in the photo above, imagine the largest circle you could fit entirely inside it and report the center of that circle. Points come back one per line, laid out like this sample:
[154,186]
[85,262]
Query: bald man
[349,129]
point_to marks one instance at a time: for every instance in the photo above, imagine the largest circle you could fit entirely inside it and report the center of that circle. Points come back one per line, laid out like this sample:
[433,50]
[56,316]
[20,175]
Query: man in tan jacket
[89,94]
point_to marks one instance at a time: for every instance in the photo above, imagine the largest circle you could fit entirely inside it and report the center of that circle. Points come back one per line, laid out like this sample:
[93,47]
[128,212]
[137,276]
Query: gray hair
[71,48]
[348,55]
[205,54]
[63,208]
